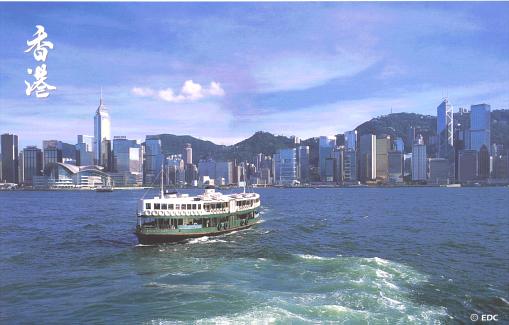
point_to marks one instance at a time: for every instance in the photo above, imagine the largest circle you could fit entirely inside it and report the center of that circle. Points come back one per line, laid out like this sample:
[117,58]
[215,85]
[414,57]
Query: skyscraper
[84,147]
[483,163]
[188,154]
[467,166]
[153,160]
[419,160]
[480,126]
[102,131]
[9,158]
[382,158]
[326,145]
[367,157]
[351,140]
[445,129]
[395,160]
[286,164]
[32,164]
[303,163]
[126,155]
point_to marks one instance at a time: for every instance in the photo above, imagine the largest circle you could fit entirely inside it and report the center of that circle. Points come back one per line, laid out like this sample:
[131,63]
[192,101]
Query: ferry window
[183,206]
[170,206]
[194,206]
[157,206]
[148,206]
[177,206]
[164,206]
[189,207]
[199,206]
[180,221]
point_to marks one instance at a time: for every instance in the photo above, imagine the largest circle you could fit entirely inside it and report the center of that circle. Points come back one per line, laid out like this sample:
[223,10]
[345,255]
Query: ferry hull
[151,239]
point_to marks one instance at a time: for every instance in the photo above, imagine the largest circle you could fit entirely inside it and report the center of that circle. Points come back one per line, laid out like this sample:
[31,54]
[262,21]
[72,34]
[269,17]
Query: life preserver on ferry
[225,226]
[154,213]
[219,227]
[245,222]
[161,213]
[166,213]
[241,222]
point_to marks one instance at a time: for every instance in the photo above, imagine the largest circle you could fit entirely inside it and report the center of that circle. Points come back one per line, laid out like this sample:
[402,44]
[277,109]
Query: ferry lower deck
[173,229]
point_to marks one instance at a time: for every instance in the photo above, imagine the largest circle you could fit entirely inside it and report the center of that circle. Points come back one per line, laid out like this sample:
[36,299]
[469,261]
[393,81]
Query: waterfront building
[438,170]
[351,140]
[191,174]
[407,165]
[399,145]
[188,154]
[84,148]
[339,160]
[127,162]
[51,153]
[483,163]
[175,172]
[106,155]
[152,160]
[325,146]
[102,132]
[501,165]
[395,166]
[411,133]
[59,175]
[480,126]
[303,163]
[467,166]
[10,160]
[367,158]
[340,140]
[445,129]
[21,178]
[419,160]
[207,168]
[330,170]
[382,158]
[32,164]
[350,166]
[126,155]
[286,164]
[224,173]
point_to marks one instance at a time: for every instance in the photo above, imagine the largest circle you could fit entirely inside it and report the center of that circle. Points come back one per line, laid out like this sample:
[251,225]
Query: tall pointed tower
[102,131]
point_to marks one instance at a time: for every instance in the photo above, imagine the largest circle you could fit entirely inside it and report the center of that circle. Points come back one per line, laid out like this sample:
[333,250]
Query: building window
[157,206]
[148,206]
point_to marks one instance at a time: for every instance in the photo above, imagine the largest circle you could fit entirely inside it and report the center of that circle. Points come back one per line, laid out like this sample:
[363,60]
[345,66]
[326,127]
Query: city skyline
[209,75]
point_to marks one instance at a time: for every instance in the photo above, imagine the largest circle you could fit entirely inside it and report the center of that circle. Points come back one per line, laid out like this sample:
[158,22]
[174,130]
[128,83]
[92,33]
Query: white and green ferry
[172,217]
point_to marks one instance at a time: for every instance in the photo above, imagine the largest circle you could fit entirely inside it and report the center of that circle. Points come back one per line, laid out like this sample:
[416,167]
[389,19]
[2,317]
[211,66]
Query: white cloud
[190,91]
[143,92]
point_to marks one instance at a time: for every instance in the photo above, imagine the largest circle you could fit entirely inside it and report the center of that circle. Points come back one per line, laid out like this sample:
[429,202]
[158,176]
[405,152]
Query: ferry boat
[173,217]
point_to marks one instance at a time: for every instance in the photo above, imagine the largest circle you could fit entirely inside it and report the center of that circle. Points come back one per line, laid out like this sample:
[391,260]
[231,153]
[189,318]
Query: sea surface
[337,255]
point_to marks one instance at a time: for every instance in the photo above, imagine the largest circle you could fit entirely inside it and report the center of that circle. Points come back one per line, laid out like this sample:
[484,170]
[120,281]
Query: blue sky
[222,71]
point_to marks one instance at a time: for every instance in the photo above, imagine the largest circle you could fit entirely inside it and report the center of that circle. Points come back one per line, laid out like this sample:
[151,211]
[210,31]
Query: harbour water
[354,255]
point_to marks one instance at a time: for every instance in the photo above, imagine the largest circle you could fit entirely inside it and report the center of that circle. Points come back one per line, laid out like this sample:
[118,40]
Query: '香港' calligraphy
[40,46]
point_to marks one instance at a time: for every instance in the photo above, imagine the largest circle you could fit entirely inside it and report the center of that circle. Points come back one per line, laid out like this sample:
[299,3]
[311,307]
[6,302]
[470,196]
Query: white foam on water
[198,240]
[392,303]
[143,245]
[383,274]
[314,257]
[504,300]
[260,315]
